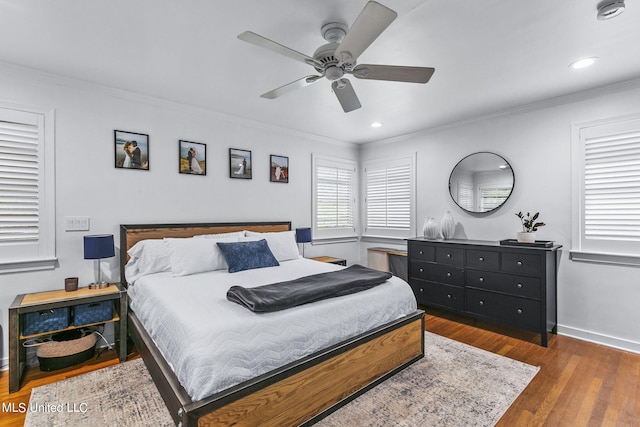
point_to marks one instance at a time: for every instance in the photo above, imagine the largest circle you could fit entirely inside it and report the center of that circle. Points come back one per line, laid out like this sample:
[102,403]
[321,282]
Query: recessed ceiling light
[609,9]
[583,63]
[376,124]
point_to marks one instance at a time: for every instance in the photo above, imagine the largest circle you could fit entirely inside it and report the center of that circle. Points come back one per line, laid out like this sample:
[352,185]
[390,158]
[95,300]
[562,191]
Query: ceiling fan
[338,57]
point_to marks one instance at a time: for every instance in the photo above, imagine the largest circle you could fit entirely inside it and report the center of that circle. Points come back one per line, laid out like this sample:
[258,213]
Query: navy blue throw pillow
[247,255]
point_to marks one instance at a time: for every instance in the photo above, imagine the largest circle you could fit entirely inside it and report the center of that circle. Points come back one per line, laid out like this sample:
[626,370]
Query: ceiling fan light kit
[338,57]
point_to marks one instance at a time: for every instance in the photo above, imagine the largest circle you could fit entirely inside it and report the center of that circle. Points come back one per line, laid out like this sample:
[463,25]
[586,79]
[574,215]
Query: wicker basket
[38,322]
[95,312]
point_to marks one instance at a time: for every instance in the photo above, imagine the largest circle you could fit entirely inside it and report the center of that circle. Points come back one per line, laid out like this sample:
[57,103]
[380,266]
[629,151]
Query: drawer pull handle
[421,253]
[481,279]
[481,259]
[519,263]
[519,285]
[481,302]
[448,255]
[448,274]
[421,289]
[449,296]
[421,270]
[520,311]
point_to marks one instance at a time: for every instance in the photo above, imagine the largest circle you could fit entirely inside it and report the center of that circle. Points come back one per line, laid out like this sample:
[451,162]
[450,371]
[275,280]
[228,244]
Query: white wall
[595,302]
[87,184]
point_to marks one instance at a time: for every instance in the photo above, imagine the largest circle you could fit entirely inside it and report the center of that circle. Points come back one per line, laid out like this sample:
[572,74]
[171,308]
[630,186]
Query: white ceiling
[489,55]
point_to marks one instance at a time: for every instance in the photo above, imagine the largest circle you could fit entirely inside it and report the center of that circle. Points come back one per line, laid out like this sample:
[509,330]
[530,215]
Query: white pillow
[220,235]
[147,257]
[190,256]
[282,244]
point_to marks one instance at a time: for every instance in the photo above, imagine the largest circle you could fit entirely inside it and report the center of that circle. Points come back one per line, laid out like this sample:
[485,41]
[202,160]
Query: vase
[447,226]
[526,237]
[430,228]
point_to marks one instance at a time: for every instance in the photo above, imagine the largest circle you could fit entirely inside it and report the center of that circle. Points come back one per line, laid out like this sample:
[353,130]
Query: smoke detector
[610,9]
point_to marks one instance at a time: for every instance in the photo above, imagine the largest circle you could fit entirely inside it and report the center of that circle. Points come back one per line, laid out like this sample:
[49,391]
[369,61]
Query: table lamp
[97,247]
[303,235]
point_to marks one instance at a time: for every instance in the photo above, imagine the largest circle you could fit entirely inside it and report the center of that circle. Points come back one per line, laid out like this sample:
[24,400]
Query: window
[606,200]
[389,198]
[334,202]
[492,197]
[27,216]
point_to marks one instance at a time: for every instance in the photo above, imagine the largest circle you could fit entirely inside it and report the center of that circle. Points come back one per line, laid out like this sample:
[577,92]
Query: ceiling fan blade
[258,40]
[371,22]
[305,81]
[346,95]
[393,73]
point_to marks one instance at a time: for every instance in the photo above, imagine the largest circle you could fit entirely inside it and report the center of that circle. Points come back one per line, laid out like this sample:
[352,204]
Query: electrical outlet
[76,223]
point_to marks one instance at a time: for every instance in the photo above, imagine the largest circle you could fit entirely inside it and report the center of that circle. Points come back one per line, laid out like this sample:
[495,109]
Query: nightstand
[331,260]
[43,301]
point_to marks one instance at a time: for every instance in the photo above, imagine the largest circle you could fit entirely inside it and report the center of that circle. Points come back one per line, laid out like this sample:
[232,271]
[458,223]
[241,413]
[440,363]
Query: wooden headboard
[132,234]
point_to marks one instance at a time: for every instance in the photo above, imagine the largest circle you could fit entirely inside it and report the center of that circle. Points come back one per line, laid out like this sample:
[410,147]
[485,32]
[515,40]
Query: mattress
[213,344]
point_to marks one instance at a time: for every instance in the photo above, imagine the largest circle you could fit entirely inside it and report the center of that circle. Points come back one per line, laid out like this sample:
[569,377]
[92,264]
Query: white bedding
[213,344]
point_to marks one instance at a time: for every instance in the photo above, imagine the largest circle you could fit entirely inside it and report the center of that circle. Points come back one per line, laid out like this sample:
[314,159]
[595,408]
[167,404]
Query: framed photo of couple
[279,166]
[240,163]
[192,158]
[131,150]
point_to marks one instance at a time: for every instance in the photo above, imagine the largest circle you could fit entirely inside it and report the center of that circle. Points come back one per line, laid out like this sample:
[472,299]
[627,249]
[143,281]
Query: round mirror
[481,182]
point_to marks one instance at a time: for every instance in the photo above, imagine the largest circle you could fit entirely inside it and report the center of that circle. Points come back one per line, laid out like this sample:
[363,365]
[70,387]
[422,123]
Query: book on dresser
[511,285]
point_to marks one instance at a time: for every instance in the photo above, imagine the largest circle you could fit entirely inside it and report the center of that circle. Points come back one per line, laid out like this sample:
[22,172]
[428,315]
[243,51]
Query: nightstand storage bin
[95,312]
[52,319]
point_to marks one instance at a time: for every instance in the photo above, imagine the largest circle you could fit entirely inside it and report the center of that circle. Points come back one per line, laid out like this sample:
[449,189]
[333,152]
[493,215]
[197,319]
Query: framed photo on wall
[239,163]
[131,150]
[279,168]
[192,158]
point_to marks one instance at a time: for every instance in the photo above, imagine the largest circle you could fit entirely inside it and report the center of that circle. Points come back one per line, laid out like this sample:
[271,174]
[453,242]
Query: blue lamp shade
[98,246]
[303,235]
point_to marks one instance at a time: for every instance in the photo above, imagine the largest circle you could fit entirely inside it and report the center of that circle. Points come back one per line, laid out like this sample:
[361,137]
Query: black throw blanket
[283,295]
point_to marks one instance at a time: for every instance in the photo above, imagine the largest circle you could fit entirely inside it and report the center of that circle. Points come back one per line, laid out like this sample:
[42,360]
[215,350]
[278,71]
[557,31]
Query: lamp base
[101,285]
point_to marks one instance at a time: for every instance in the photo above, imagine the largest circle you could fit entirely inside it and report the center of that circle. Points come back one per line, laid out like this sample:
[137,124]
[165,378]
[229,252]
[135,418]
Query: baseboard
[609,341]
[4,364]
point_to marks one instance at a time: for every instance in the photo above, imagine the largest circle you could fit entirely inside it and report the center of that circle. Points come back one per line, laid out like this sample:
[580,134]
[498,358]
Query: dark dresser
[510,285]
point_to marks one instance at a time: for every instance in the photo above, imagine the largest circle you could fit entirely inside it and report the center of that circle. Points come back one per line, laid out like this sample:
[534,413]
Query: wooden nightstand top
[62,295]
[330,260]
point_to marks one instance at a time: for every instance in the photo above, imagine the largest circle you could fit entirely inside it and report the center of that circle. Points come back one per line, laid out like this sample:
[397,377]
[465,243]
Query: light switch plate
[76,223]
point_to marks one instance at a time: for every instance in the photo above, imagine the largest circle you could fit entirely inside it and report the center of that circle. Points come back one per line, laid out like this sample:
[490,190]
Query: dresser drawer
[518,312]
[420,252]
[418,269]
[521,263]
[485,260]
[522,286]
[445,274]
[450,256]
[445,296]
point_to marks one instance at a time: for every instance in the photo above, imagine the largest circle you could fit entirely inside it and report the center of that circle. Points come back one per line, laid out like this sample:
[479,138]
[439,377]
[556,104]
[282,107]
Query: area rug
[454,385]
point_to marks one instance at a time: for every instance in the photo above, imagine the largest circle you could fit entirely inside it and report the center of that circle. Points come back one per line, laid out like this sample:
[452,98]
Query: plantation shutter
[19,207]
[334,198]
[27,190]
[612,187]
[388,198]
[492,197]
[606,193]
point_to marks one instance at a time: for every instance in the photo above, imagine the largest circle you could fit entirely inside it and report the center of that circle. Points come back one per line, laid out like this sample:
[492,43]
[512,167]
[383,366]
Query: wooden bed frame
[300,393]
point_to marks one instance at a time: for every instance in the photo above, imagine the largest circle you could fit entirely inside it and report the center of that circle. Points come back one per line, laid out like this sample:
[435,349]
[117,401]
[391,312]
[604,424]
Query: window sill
[605,258]
[384,239]
[331,240]
[28,265]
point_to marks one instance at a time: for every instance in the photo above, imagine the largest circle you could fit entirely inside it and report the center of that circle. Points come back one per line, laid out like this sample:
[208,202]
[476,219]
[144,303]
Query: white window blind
[334,198]
[492,197]
[27,216]
[612,187]
[606,163]
[18,182]
[389,198]
[465,197]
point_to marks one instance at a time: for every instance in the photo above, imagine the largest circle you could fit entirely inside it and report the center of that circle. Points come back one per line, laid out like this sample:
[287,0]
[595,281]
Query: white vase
[430,228]
[526,237]
[447,226]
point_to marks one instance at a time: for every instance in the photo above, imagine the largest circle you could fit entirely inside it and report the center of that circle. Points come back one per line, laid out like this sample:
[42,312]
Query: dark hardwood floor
[579,383]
